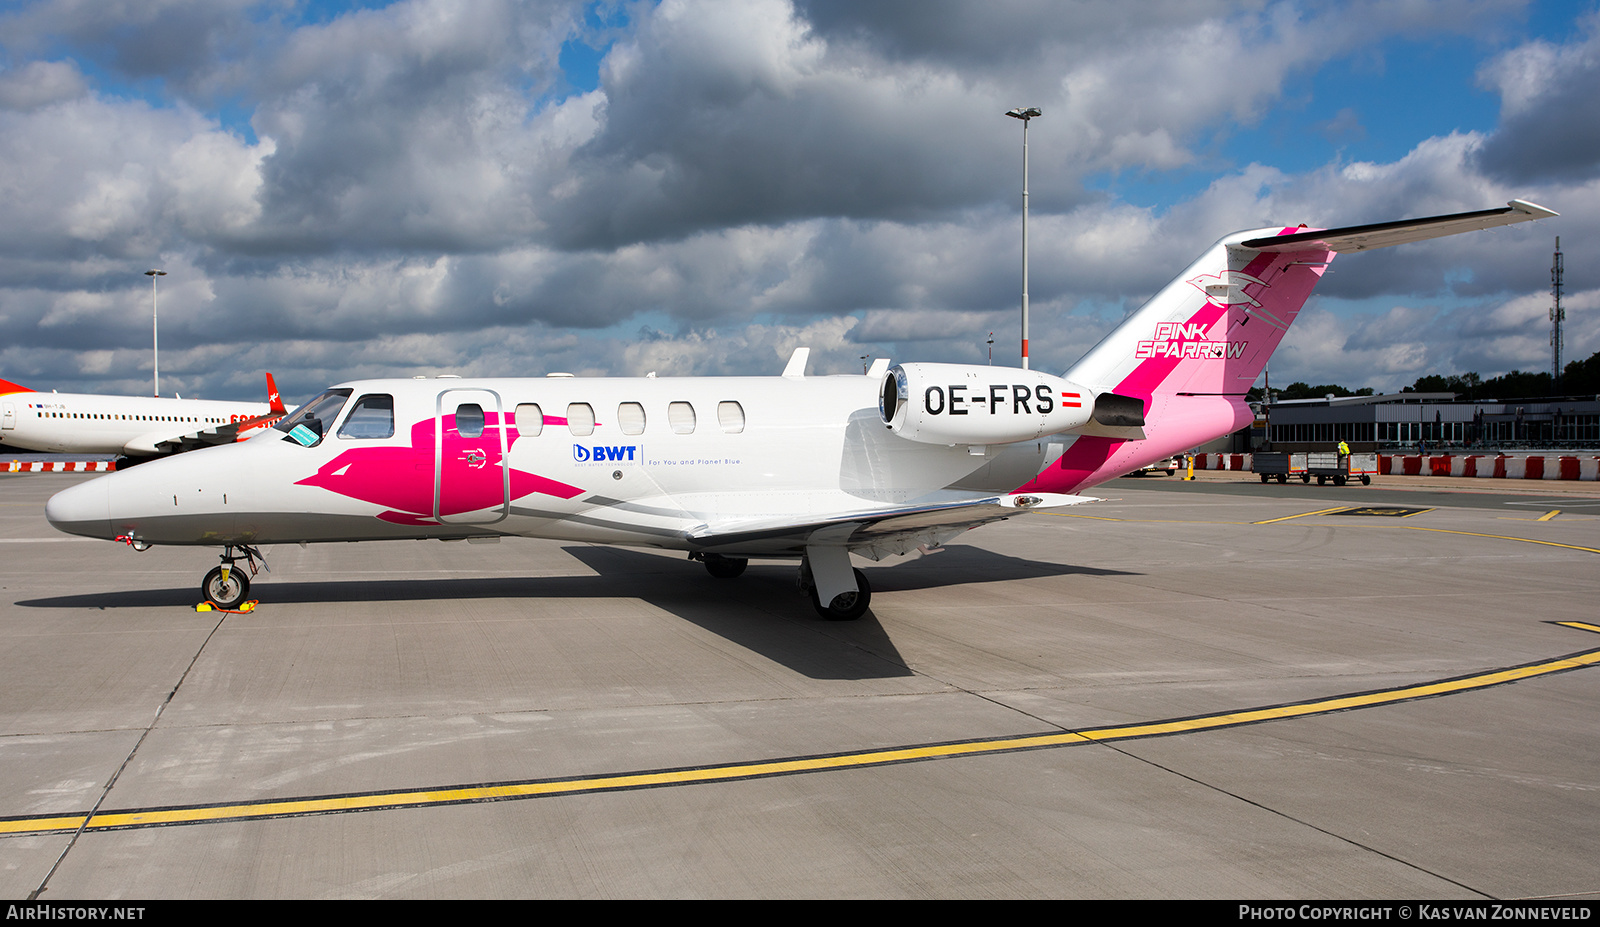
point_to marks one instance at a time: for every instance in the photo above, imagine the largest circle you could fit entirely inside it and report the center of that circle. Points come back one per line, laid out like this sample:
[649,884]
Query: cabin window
[469,420]
[630,418]
[731,416]
[372,417]
[530,419]
[680,415]
[580,418]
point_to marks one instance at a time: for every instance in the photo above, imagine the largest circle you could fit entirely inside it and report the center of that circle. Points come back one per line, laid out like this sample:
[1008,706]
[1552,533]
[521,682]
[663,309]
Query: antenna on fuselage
[797,363]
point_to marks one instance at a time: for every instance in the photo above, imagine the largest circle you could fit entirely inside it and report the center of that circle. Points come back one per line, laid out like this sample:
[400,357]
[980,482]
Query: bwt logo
[599,452]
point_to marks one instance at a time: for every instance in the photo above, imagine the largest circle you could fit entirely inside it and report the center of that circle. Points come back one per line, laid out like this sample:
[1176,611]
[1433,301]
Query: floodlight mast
[155,331]
[1024,114]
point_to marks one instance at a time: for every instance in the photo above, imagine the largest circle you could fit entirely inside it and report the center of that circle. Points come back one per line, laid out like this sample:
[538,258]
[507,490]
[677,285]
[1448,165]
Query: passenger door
[471,484]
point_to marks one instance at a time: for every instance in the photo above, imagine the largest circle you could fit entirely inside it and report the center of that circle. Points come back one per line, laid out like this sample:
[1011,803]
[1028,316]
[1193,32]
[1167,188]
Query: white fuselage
[87,423]
[663,459]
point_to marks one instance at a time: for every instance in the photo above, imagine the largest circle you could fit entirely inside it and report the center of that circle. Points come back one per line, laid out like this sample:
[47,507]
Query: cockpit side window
[371,417]
[309,423]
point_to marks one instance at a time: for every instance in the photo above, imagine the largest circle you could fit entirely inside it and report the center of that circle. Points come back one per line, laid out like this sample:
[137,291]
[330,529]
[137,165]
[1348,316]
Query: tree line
[1578,378]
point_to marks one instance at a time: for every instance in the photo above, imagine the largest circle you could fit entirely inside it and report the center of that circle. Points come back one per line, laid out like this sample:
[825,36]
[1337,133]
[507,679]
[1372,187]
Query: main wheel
[225,593]
[847,606]
[725,567]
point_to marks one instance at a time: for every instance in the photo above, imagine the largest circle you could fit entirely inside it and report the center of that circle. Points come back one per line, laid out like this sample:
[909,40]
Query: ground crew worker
[1344,449]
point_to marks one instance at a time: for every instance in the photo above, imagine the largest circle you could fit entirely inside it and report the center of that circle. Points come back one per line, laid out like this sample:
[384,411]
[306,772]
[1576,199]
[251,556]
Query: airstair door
[471,483]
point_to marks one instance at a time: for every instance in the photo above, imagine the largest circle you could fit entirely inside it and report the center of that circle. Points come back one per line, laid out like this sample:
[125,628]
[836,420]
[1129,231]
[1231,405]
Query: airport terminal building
[1438,420]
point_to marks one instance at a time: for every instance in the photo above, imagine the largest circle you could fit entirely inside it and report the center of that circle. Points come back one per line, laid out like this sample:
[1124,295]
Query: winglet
[273,399]
[797,363]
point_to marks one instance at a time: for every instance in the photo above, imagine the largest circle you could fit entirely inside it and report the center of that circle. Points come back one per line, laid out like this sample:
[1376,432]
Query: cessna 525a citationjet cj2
[729,468]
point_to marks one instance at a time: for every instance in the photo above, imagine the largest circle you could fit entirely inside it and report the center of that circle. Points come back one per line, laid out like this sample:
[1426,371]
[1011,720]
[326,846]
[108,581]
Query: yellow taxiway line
[504,791]
[1273,521]
[1503,537]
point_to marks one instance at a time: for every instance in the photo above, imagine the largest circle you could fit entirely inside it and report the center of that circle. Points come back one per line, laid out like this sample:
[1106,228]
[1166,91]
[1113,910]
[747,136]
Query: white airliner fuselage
[135,426]
[815,468]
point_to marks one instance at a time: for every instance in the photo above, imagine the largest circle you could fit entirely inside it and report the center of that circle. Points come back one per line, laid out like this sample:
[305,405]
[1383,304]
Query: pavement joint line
[134,818]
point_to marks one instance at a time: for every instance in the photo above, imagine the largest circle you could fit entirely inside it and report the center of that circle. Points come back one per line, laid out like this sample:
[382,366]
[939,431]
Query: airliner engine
[958,404]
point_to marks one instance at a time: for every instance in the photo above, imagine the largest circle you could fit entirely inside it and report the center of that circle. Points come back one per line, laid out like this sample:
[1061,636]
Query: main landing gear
[226,586]
[724,567]
[844,606]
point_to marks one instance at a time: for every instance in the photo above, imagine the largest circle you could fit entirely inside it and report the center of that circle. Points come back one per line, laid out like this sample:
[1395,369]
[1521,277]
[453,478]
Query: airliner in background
[130,426]
[812,469]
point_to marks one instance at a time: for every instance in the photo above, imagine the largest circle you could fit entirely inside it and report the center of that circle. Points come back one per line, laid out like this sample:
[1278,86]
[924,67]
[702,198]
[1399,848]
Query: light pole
[155,330]
[1024,115]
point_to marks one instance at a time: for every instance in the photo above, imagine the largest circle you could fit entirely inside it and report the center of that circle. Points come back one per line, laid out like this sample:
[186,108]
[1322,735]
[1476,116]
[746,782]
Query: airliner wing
[875,533]
[210,437]
[177,444]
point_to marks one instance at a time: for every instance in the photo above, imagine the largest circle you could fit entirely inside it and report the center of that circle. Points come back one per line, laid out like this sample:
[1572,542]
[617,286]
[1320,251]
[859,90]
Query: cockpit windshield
[307,425]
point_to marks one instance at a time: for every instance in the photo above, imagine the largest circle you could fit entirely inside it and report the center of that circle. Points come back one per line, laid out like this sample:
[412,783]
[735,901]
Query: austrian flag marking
[1071,400]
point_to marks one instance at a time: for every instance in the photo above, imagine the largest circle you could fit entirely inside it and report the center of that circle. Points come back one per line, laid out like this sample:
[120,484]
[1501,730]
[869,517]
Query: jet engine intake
[960,404]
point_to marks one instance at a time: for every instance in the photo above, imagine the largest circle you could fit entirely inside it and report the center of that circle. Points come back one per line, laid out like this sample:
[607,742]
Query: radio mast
[1557,314]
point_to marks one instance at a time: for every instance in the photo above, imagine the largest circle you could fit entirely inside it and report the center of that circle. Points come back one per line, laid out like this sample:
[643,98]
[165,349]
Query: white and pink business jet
[729,468]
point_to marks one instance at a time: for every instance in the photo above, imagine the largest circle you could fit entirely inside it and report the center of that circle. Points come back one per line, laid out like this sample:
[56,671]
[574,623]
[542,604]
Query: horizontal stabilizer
[1384,234]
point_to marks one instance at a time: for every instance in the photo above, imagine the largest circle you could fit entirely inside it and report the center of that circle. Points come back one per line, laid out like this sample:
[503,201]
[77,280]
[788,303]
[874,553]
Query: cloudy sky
[340,190]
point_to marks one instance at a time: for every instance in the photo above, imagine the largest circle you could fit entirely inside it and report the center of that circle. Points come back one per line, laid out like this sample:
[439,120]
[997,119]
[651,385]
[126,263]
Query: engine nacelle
[958,404]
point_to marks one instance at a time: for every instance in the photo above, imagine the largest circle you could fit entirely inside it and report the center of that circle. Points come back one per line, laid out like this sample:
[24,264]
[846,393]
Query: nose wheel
[227,586]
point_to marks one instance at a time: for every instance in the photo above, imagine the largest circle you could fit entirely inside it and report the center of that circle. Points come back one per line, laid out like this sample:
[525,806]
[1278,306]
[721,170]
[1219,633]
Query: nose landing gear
[227,586]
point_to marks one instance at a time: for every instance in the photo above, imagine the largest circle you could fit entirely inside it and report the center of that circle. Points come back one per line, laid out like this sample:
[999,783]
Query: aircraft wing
[874,533]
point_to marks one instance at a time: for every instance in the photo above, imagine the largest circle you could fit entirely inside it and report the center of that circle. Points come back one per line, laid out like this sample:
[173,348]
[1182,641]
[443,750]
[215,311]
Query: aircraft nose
[83,509]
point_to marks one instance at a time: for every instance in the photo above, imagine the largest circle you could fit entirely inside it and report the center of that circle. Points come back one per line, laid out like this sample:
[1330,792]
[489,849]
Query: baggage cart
[1280,464]
[1341,468]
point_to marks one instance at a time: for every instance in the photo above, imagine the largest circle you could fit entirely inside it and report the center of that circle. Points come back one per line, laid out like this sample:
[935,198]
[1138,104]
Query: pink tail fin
[1191,352]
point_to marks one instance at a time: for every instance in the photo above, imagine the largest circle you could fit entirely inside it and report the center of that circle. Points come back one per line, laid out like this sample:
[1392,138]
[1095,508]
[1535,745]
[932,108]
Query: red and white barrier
[1493,466]
[60,466]
[1222,461]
